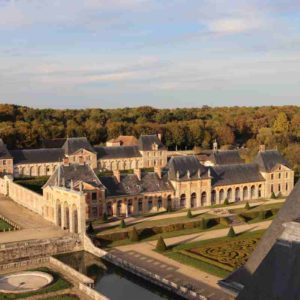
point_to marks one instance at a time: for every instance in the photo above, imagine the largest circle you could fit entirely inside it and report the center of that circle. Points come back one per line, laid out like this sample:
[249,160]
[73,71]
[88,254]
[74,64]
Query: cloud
[233,25]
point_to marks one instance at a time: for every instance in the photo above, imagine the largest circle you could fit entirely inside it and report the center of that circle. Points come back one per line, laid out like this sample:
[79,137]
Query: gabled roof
[267,160]
[235,174]
[4,153]
[225,157]
[146,142]
[28,156]
[64,174]
[130,184]
[290,211]
[182,165]
[125,140]
[117,152]
[53,143]
[74,144]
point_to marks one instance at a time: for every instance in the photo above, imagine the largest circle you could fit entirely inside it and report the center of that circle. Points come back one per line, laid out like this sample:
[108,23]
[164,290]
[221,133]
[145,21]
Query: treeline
[184,128]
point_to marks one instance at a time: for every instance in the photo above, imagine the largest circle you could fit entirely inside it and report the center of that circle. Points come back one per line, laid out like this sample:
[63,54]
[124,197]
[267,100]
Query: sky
[162,53]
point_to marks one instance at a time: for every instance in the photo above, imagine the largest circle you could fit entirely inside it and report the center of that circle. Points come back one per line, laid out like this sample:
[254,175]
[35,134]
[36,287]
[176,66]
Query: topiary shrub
[231,232]
[134,235]
[273,196]
[226,202]
[122,224]
[161,245]
[247,206]
[104,217]
[90,229]
[189,214]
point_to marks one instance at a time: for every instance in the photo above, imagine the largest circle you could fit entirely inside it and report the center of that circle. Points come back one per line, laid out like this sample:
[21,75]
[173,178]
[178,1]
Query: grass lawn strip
[5,226]
[58,283]
[62,297]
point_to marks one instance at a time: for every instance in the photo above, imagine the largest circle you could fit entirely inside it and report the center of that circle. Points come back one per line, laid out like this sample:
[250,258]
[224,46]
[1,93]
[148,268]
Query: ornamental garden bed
[218,256]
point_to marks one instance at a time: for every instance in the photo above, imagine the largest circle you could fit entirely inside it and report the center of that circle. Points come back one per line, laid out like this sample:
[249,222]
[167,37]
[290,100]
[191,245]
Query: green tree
[247,206]
[281,124]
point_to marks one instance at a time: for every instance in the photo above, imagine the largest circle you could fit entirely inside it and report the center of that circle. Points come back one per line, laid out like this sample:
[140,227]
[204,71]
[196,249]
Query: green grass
[163,235]
[208,264]
[33,183]
[5,226]
[257,208]
[59,283]
[62,297]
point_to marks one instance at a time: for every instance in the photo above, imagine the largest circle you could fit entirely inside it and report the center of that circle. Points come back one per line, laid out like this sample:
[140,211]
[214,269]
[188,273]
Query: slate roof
[125,140]
[72,145]
[225,157]
[28,156]
[130,185]
[74,172]
[235,174]
[290,211]
[117,152]
[146,141]
[53,143]
[184,164]
[4,153]
[269,159]
[277,277]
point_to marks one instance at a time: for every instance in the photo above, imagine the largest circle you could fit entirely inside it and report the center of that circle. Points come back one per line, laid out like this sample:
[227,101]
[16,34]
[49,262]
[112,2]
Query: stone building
[6,160]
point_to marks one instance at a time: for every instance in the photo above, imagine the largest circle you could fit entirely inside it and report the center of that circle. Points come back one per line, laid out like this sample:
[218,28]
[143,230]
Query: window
[272,188]
[272,176]
[286,175]
[279,188]
[4,162]
[286,186]
[94,196]
[95,212]
[279,175]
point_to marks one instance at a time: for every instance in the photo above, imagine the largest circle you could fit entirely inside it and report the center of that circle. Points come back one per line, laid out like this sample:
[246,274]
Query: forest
[184,128]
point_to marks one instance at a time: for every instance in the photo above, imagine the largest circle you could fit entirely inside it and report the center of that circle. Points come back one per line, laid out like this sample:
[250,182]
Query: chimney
[138,173]
[262,148]
[159,135]
[117,175]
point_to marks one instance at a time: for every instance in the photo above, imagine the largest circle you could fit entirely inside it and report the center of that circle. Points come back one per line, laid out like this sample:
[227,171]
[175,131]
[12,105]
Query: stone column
[114,208]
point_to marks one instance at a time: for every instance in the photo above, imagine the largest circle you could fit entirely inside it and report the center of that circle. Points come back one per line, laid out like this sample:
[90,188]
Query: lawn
[33,183]
[5,226]
[257,208]
[59,283]
[218,256]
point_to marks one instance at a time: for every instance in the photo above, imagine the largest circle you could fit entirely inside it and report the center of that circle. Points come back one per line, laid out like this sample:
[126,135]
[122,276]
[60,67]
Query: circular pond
[23,282]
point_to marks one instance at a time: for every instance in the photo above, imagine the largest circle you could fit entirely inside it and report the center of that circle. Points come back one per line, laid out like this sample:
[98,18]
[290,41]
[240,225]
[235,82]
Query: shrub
[224,221]
[247,206]
[189,214]
[273,196]
[226,202]
[122,224]
[161,245]
[90,229]
[134,236]
[104,217]
[231,232]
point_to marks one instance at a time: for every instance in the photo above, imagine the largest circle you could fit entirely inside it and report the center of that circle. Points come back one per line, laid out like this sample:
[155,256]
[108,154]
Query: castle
[140,177]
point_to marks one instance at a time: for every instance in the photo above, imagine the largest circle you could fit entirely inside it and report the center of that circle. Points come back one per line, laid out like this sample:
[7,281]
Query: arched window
[203,199]
[229,194]
[119,208]
[169,202]
[159,202]
[213,197]
[252,192]
[222,195]
[237,194]
[245,193]
[193,200]
[182,200]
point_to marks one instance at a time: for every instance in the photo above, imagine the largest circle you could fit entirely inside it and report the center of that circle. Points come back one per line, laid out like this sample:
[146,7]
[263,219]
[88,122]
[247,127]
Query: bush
[231,232]
[90,229]
[224,221]
[189,214]
[104,217]
[134,236]
[161,245]
[122,224]
[247,206]
[273,196]
[226,202]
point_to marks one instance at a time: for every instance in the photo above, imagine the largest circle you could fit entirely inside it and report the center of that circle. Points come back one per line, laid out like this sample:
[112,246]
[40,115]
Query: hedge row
[260,215]
[147,232]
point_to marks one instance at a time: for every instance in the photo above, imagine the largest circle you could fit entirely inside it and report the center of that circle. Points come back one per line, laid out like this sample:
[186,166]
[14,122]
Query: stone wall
[11,252]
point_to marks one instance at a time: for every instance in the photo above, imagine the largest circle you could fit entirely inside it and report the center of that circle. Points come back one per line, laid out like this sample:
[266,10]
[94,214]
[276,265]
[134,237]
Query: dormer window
[154,147]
